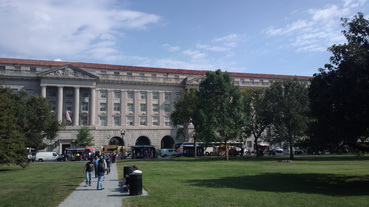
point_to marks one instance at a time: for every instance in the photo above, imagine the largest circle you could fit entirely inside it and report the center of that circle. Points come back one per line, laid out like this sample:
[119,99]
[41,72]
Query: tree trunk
[194,147]
[256,147]
[226,150]
[291,152]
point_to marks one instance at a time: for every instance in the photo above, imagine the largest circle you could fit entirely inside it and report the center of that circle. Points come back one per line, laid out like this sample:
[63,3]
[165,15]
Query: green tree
[184,109]
[290,108]
[84,137]
[339,93]
[259,109]
[12,142]
[219,114]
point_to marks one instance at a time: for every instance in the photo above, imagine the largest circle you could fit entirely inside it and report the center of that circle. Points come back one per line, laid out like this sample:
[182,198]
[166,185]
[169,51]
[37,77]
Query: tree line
[330,113]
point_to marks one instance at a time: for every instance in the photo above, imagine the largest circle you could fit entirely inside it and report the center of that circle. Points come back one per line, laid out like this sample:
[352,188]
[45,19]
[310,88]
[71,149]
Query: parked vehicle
[169,153]
[47,156]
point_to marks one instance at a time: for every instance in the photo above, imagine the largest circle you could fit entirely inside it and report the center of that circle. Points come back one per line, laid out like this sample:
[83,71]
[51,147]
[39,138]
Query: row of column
[76,104]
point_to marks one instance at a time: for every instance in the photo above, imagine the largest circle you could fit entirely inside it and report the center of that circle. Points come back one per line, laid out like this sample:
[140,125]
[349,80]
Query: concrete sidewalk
[112,195]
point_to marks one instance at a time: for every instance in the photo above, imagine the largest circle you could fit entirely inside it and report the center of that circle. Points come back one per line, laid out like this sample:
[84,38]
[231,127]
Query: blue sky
[253,36]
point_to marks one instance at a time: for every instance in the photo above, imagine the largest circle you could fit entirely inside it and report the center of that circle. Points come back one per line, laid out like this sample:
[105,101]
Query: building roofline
[15,61]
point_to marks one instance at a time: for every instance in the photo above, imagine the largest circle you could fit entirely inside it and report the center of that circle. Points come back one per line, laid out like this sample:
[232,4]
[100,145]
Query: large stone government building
[122,105]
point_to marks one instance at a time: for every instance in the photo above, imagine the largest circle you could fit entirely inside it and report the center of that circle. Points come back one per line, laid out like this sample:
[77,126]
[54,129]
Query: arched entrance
[143,141]
[116,141]
[167,142]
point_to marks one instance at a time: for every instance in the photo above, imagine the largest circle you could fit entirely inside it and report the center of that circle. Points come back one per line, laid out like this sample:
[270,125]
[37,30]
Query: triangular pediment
[67,71]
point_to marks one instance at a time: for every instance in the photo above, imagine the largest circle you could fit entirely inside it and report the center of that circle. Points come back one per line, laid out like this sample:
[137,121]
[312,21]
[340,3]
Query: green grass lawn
[307,181]
[40,184]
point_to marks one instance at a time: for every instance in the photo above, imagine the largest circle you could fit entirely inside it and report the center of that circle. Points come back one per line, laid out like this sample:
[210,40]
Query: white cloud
[70,29]
[320,29]
[194,54]
[228,38]
[171,48]
[212,48]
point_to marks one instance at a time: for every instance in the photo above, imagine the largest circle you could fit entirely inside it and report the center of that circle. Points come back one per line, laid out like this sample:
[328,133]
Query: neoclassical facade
[122,105]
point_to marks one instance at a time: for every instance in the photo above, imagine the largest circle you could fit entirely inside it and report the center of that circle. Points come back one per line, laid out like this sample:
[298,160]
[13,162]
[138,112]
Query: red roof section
[14,61]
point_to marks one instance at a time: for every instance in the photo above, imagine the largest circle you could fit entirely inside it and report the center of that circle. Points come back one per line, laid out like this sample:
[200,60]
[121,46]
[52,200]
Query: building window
[155,107]
[165,76]
[117,121]
[85,94]
[130,107]
[167,96]
[102,106]
[31,92]
[103,94]
[116,106]
[17,69]
[143,120]
[153,75]
[176,76]
[155,120]
[2,68]
[116,73]
[69,92]
[130,94]
[252,81]
[167,121]
[84,120]
[155,95]
[143,95]
[84,106]
[117,94]
[102,121]
[143,107]
[129,75]
[32,69]
[130,120]
[178,96]
[52,92]
[103,72]
[262,82]
[167,107]
[68,106]
[53,105]
[142,75]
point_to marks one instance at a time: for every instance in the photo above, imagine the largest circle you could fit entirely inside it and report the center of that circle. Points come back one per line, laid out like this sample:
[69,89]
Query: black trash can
[127,170]
[135,184]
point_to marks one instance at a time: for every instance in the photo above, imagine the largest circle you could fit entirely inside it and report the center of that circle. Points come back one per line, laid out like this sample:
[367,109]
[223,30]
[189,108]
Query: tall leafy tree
[290,108]
[84,137]
[339,93]
[259,109]
[219,114]
[12,142]
[184,110]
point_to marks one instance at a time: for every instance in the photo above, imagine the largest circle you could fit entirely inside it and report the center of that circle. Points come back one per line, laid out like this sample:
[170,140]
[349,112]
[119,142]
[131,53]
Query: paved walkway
[111,196]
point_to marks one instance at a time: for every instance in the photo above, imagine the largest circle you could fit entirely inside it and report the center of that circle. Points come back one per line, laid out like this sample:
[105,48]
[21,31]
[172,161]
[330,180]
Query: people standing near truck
[89,168]
[100,174]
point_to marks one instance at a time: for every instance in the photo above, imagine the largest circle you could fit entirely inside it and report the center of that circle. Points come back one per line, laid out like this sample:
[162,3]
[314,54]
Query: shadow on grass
[326,184]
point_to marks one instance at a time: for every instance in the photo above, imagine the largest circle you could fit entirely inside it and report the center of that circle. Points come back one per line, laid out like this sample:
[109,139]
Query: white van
[169,153]
[47,156]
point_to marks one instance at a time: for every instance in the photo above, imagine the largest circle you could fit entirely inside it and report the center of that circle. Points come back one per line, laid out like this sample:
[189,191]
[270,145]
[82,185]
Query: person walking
[100,174]
[96,162]
[89,168]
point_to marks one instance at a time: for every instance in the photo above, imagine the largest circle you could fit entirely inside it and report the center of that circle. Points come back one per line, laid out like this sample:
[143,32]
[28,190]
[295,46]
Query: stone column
[76,106]
[43,91]
[60,103]
[92,106]
[161,109]
[109,110]
[149,107]
[137,111]
[123,107]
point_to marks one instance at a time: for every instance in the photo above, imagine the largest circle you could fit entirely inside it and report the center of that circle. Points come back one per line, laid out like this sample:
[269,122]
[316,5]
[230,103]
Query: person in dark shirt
[89,168]
[100,174]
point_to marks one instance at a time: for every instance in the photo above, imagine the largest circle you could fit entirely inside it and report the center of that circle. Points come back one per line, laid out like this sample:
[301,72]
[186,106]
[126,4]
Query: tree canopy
[25,122]
[258,108]
[339,93]
[290,109]
[84,138]
[219,114]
